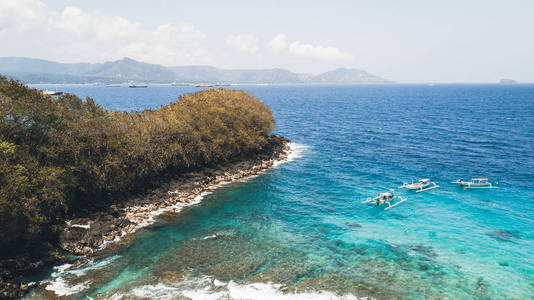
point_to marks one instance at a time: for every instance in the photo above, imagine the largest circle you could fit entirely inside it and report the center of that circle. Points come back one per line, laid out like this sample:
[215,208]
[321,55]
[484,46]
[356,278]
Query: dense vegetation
[63,155]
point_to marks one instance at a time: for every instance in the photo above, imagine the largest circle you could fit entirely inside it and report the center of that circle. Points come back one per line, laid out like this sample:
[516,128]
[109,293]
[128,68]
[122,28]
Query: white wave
[92,265]
[61,288]
[201,196]
[158,291]
[218,283]
[175,208]
[209,237]
[117,296]
[295,151]
[60,269]
[86,226]
[224,182]
[204,293]
[208,288]
[115,240]
[269,291]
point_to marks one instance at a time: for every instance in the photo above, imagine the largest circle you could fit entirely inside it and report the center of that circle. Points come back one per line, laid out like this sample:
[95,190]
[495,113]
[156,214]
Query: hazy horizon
[408,42]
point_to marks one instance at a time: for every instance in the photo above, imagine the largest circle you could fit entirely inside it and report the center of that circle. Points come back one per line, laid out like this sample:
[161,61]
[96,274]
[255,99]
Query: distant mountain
[33,65]
[343,75]
[129,69]
[42,71]
[32,70]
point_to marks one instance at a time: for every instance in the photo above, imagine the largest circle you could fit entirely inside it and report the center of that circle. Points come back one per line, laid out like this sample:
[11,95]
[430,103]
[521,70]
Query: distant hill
[343,75]
[129,69]
[30,70]
[33,65]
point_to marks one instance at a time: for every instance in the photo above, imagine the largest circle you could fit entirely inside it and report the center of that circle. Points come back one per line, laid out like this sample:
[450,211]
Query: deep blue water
[301,227]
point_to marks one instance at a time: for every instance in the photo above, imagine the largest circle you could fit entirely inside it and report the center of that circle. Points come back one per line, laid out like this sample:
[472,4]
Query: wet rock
[288,270]
[360,250]
[505,235]
[80,239]
[80,221]
[344,284]
[13,269]
[481,286]
[10,290]
[422,249]
[398,216]
[237,269]
[353,225]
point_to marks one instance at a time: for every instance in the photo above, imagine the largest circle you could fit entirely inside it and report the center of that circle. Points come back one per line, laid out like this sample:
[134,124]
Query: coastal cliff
[74,176]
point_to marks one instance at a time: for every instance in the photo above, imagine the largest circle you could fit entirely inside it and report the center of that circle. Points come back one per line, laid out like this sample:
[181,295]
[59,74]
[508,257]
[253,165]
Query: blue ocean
[300,231]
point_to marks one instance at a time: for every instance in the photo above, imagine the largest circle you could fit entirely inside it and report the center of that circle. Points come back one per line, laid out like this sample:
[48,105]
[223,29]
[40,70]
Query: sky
[406,41]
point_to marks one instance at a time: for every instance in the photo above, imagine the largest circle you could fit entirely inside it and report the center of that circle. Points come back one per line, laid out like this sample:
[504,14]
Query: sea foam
[59,284]
[208,288]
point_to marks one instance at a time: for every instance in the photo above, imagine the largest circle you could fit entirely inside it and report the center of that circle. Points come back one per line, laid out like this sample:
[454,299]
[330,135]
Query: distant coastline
[30,71]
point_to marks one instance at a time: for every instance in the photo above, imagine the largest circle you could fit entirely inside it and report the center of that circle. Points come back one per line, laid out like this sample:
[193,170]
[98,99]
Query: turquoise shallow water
[300,229]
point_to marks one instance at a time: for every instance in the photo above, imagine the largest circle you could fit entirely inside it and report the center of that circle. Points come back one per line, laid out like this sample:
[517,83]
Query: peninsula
[75,176]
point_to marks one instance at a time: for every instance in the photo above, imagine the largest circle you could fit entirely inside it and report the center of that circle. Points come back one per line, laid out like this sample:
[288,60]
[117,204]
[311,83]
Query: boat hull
[416,186]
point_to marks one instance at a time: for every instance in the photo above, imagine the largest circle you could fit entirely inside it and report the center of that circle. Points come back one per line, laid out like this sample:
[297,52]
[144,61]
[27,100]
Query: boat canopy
[479,179]
[424,180]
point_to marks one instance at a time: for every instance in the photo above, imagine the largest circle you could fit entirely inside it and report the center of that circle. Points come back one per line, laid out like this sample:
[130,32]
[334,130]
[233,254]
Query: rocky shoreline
[89,236]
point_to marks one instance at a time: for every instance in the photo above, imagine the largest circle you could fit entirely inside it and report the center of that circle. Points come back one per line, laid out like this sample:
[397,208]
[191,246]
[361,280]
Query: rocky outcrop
[81,236]
[13,269]
[12,290]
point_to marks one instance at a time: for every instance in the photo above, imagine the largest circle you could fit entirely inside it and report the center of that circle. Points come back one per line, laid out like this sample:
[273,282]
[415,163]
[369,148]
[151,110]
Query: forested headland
[60,156]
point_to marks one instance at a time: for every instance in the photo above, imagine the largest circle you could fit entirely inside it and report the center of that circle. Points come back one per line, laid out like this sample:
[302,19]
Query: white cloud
[22,14]
[279,43]
[171,44]
[91,36]
[244,43]
[320,52]
[72,20]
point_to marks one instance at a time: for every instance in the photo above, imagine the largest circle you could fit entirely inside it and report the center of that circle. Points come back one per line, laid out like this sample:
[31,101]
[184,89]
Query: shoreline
[103,231]
[89,236]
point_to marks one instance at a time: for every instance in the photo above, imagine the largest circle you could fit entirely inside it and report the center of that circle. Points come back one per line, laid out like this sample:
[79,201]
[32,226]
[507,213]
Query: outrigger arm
[390,206]
[428,188]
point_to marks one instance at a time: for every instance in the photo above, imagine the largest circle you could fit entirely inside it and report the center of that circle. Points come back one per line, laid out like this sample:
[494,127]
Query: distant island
[31,71]
[507,81]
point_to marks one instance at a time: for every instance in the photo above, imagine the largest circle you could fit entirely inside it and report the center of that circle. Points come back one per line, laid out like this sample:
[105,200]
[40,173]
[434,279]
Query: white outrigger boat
[419,186]
[386,198]
[475,183]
